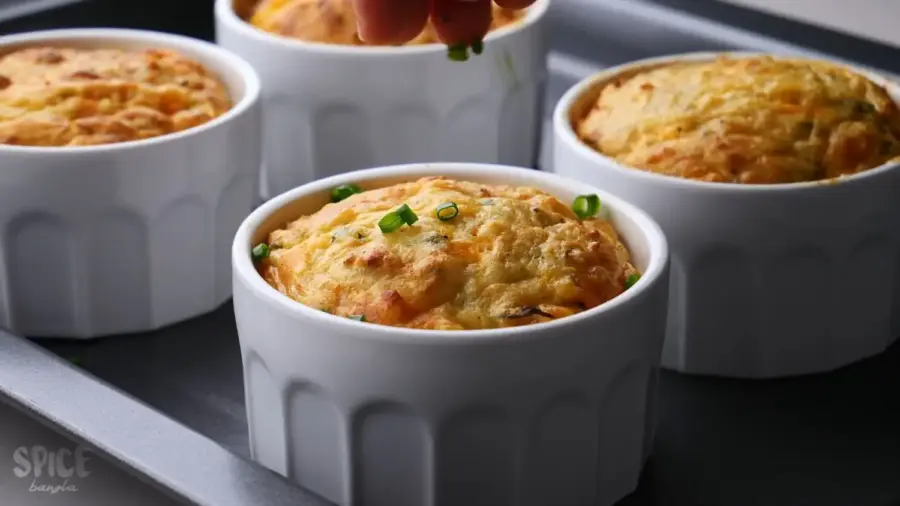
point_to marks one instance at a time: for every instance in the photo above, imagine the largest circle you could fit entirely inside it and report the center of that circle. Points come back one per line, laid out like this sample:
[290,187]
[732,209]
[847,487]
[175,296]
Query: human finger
[514,4]
[390,21]
[461,21]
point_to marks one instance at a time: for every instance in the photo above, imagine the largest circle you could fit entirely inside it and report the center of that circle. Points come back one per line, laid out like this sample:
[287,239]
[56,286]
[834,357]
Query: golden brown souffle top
[512,256]
[334,22]
[751,120]
[55,96]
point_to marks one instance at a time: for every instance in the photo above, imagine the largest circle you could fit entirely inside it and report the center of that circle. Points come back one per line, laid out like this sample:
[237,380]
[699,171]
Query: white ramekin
[767,280]
[329,109]
[555,413]
[127,237]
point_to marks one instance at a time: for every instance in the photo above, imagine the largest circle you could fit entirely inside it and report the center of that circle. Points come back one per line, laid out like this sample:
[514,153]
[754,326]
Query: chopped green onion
[409,217]
[397,218]
[478,46]
[447,211]
[631,280]
[260,251]
[390,222]
[75,360]
[358,317]
[344,191]
[458,52]
[586,206]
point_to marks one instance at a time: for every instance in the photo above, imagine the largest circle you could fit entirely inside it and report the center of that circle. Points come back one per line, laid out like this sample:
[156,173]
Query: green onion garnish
[397,218]
[586,206]
[478,46]
[458,52]
[343,191]
[409,217]
[447,211]
[75,360]
[631,280]
[259,252]
[390,222]
[358,317]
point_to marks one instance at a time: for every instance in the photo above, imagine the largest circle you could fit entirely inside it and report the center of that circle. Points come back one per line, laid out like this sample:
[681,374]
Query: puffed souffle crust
[753,120]
[62,96]
[502,256]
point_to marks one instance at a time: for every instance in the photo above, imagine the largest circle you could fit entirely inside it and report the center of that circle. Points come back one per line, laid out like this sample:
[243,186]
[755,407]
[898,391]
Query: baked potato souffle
[334,22]
[754,120]
[58,96]
[439,253]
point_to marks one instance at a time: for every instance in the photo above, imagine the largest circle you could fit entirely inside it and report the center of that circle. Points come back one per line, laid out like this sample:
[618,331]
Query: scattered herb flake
[260,252]
[631,280]
[409,217]
[586,206]
[458,52]
[390,222]
[447,211]
[344,191]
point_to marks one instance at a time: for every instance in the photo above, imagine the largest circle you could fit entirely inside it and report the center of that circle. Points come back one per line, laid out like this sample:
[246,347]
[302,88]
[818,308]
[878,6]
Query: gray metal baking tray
[12,9]
[168,406]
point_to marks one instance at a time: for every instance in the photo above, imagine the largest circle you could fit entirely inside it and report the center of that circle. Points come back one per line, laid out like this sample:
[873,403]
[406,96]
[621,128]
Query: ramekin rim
[562,129]
[224,12]
[245,270]
[210,51]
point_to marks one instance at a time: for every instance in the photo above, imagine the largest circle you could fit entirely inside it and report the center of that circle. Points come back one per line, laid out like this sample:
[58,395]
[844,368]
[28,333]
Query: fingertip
[461,21]
[514,4]
[390,22]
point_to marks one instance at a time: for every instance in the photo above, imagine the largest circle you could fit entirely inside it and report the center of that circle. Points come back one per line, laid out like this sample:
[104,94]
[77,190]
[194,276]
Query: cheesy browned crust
[746,120]
[512,256]
[334,22]
[72,97]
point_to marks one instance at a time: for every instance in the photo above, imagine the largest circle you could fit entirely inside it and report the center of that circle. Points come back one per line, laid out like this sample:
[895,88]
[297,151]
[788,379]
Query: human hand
[455,21]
